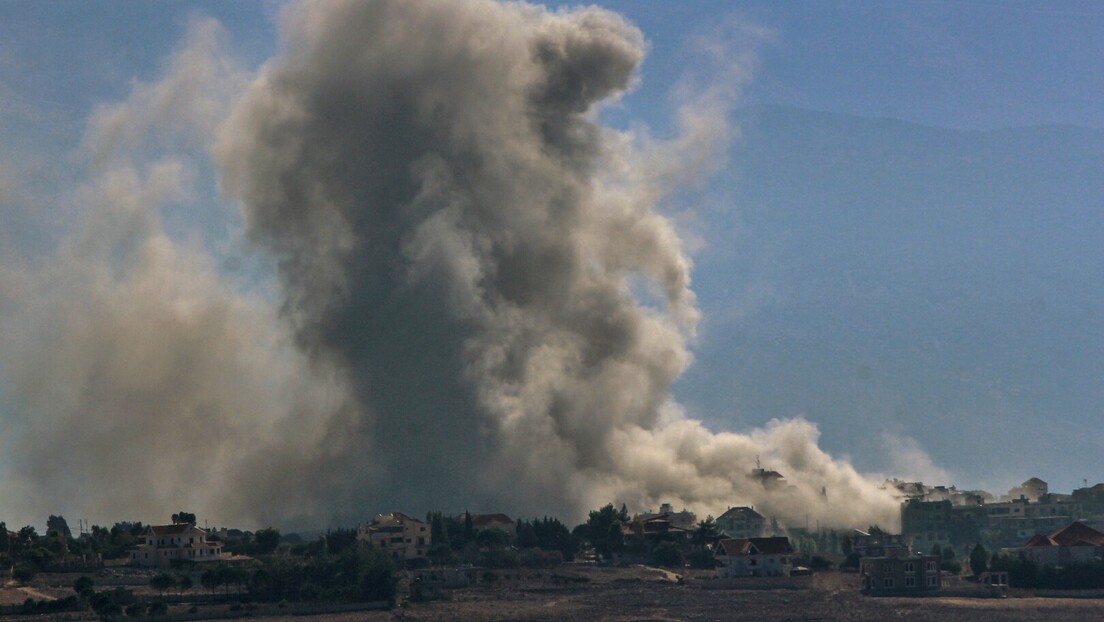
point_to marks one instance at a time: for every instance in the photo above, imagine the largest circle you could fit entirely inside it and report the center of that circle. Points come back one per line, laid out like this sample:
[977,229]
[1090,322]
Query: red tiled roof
[1040,540]
[741,511]
[169,530]
[734,546]
[482,520]
[404,518]
[778,545]
[1078,534]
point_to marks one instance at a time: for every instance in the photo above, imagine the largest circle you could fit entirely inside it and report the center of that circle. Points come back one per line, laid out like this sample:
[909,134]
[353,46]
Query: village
[1028,543]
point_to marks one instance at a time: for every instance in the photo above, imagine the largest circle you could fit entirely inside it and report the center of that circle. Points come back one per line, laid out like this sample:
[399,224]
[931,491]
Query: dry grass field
[644,594]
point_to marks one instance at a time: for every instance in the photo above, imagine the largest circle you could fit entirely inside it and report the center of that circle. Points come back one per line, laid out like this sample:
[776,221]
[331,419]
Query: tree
[492,539]
[950,563]
[58,525]
[438,530]
[162,583]
[377,580]
[979,558]
[668,554]
[616,537]
[183,584]
[267,540]
[84,587]
[184,517]
[211,580]
[597,528]
[701,537]
[846,545]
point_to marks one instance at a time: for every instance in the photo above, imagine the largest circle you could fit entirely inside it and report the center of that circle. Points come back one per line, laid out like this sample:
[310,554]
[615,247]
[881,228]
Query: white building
[754,557]
[396,534]
[741,522]
[161,545]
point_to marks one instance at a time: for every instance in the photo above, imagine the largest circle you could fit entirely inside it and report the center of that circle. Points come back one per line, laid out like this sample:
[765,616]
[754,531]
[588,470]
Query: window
[932,581]
[910,567]
[887,583]
[910,581]
[931,566]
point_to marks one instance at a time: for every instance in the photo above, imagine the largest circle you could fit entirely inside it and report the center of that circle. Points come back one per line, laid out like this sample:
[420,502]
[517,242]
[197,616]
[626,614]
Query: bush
[135,610]
[24,571]
[668,554]
[819,562]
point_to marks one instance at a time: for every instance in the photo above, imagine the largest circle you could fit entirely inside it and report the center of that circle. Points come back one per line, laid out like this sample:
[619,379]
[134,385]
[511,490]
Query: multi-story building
[684,519]
[754,557]
[181,543]
[396,534]
[878,544]
[904,574]
[741,522]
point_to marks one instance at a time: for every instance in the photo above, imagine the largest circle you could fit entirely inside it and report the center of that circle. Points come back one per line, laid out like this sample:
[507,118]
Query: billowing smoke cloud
[483,297]
[456,231]
[136,373]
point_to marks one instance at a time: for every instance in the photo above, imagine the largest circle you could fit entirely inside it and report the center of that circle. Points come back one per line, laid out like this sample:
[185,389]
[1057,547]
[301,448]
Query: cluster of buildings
[944,516]
[1044,527]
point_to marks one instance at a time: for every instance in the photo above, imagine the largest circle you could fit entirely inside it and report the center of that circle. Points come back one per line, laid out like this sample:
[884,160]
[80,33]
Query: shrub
[668,554]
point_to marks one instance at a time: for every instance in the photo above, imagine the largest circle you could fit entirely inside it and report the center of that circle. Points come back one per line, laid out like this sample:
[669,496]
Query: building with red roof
[1074,543]
[163,546]
[754,557]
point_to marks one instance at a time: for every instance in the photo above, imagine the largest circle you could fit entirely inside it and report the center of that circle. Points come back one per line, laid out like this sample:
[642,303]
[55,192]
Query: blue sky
[903,246]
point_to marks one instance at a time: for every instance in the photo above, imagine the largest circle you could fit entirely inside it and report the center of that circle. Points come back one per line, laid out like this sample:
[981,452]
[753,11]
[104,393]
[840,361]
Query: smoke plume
[457,233]
[483,297]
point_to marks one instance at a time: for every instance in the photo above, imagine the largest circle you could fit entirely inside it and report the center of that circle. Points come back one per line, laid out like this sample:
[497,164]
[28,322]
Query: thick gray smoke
[487,302]
[457,233]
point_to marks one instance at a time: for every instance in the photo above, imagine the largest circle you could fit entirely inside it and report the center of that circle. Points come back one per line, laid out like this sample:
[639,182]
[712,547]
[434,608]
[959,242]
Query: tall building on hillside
[399,535]
[162,546]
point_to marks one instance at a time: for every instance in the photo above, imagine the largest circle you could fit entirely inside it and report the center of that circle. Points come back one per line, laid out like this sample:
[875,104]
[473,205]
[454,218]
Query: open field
[643,594]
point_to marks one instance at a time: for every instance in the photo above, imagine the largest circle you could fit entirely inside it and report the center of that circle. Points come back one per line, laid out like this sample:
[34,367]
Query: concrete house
[162,545]
[1074,543]
[741,522]
[400,536]
[754,557]
[900,575]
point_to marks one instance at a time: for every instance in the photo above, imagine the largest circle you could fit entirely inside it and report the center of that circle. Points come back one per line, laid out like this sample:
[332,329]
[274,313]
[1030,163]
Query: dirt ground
[642,595]
[647,595]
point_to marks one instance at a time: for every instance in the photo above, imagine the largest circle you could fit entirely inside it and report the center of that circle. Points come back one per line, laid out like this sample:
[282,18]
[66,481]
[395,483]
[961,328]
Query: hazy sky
[902,247]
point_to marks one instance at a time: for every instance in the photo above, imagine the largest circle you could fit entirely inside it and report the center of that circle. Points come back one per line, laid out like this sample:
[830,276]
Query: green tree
[211,580]
[376,579]
[58,525]
[183,584]
[979,559]
[162,583]
[668,554]
[616,537]
[597,528]
[184,517]
[702,536]
[82,586]
[267,540]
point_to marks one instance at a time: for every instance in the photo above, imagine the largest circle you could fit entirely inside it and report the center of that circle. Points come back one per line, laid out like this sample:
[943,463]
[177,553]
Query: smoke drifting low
[482,303]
